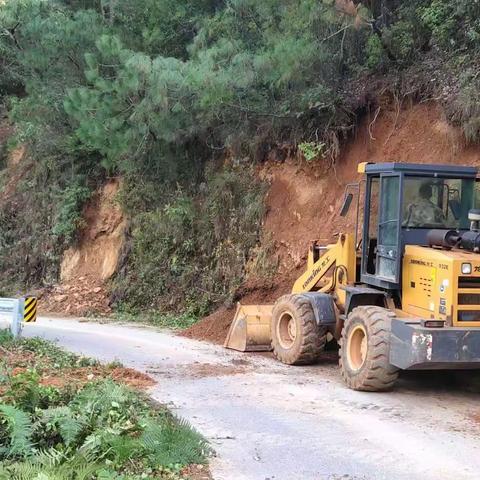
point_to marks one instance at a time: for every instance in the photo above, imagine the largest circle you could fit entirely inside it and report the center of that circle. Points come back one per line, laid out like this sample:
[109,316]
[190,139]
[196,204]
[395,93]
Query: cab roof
[422,169]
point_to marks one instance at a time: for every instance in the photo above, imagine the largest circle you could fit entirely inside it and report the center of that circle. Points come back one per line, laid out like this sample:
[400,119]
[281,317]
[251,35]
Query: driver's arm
[439,216]
[410,218]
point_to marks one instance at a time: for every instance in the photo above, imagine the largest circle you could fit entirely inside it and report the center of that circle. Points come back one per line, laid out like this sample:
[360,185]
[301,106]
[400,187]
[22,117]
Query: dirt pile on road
[214,328]
[304,199]
[86,267]
[80,296]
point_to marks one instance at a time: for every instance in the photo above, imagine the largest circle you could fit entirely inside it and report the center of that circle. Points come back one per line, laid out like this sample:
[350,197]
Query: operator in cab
[423,210]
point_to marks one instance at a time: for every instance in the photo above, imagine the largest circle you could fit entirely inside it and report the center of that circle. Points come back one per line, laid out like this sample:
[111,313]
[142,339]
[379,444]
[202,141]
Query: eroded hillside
[303,200]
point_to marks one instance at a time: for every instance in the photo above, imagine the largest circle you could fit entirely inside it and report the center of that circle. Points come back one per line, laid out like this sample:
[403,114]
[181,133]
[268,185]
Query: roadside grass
[62,417]
[162,320]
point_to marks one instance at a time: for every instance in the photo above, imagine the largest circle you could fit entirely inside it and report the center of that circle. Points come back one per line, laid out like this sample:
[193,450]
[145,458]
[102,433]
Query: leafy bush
[376,55]
[312,150]
[69,218]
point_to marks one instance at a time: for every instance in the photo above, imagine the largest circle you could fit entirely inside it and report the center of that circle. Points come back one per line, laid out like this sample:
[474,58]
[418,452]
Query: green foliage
[406,37]
[102,431]
[47,468]
[6,337]
[376,55]
[64,422]
[30,250]
[161,91]
[438,17]
[173,443]
[192,252]
[241,77]
[312,150]
[25,391]
[69,218]
[454,25]
[401,40]
[467,104]
[161,28]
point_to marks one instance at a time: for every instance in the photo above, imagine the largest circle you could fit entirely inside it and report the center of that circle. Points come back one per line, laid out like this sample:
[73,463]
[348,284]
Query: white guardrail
[19,310]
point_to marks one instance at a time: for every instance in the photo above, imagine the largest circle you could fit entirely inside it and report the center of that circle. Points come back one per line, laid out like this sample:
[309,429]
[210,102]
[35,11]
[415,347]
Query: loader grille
[469,298]
[472,297]
[469,282]
[469,316]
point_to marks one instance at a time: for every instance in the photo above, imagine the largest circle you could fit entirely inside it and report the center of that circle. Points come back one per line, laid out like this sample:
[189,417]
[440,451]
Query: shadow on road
[434,381]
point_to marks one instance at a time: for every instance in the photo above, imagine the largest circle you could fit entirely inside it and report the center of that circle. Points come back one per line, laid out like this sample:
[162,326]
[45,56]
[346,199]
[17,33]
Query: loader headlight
[466,268]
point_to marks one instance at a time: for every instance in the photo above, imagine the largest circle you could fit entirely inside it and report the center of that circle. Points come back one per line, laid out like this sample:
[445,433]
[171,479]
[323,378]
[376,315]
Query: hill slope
[303,200]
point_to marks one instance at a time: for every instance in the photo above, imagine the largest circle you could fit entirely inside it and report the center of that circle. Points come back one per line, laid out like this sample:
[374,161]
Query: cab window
[437,203]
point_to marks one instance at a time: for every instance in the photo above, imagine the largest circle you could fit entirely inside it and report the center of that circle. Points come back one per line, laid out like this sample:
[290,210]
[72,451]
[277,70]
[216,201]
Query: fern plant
[104,431]
[77,468]
[18,430]
[173,442]
[63,420]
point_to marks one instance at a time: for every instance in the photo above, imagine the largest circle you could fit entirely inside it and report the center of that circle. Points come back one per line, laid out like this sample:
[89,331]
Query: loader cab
[403,202]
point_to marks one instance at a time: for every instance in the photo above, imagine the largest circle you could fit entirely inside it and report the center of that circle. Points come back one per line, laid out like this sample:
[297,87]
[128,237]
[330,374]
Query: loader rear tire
[365,350]
[297,339]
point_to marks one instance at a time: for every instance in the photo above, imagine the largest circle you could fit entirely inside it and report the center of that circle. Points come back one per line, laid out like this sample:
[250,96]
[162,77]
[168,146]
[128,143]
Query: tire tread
[312,337]
[377,374]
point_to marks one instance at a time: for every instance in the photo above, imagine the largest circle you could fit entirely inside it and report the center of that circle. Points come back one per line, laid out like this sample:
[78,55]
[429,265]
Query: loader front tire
[297,339]
[365,350]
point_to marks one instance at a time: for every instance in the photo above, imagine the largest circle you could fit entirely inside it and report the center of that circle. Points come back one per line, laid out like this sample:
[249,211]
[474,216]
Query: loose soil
[81,376]
[87,267]
[304,199]
[16,170]
[302,206]
[214,328]
[81,296]
[18,361]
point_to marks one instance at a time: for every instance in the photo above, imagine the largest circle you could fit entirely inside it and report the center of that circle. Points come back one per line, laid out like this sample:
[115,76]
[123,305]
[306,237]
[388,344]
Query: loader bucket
[250,329]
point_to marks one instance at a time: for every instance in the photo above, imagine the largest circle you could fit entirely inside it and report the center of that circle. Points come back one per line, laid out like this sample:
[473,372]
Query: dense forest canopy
[161,91]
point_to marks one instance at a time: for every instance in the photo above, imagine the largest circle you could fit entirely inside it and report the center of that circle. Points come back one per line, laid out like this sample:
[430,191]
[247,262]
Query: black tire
[365,366]
[296,337]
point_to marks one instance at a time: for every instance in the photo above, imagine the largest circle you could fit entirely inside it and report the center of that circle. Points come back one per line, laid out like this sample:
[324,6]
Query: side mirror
[456,208]
[346,204]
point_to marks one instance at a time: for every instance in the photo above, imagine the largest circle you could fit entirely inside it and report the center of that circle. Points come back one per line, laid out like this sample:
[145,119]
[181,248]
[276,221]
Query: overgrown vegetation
[162,92]
[91,430]
[192,249]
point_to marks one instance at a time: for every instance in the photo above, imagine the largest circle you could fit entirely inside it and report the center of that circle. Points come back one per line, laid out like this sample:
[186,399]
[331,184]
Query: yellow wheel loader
[405,294]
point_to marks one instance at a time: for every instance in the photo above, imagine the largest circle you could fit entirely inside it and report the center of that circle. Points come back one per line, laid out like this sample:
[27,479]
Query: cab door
[388,246]
[381,241]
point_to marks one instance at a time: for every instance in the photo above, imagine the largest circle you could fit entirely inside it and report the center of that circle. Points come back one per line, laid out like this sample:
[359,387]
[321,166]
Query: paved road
[269,421]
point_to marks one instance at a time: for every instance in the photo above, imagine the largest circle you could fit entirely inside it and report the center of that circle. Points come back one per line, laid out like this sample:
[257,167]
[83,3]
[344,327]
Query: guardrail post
[17,317]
